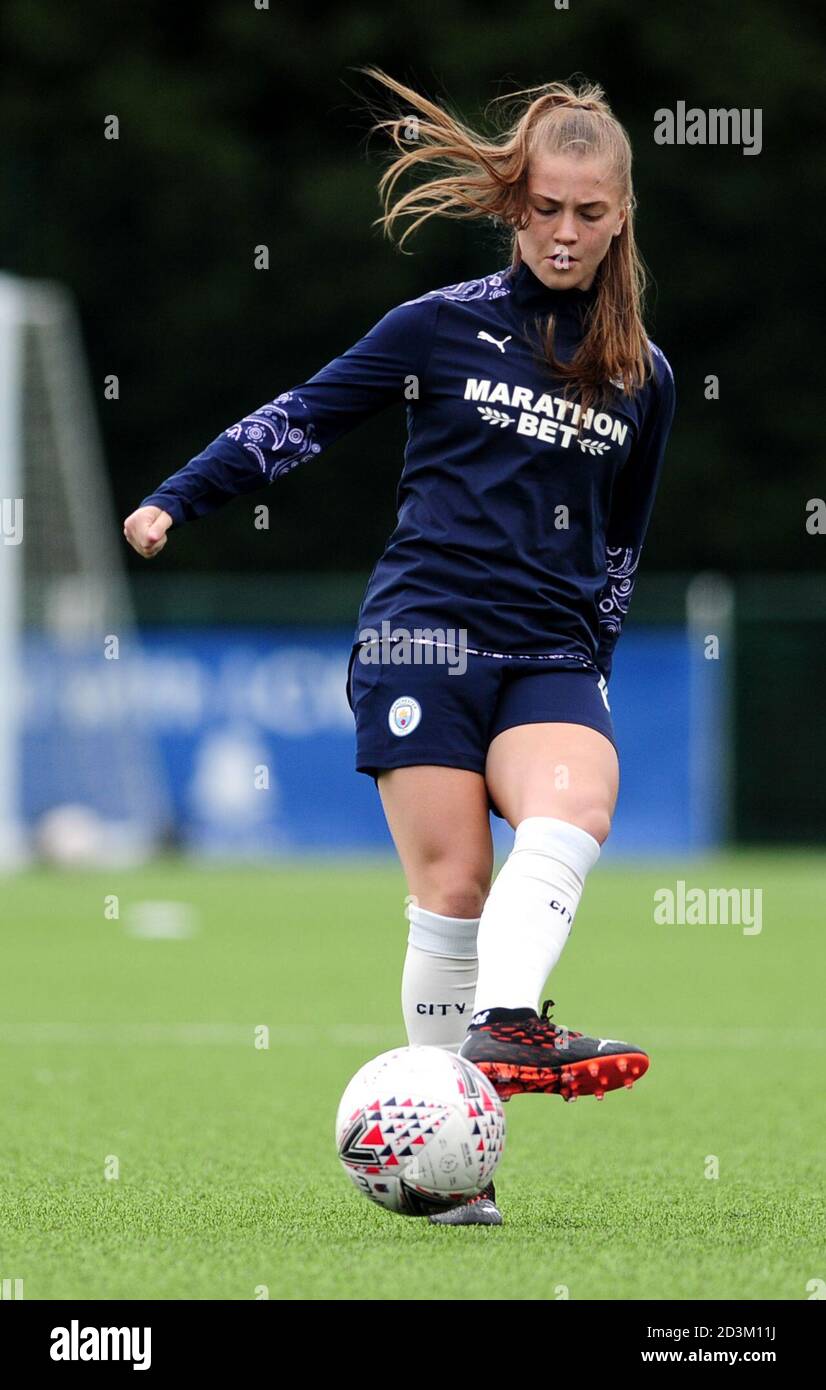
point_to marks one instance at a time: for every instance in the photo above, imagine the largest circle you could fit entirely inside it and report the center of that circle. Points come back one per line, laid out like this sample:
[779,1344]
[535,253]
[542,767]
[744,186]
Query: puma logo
[488,338]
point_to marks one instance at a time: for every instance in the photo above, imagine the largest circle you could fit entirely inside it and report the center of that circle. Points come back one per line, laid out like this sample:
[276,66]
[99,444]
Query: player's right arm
[384,366]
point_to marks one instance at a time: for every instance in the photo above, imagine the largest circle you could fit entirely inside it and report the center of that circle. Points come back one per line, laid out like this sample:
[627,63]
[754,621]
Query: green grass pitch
[119,1047]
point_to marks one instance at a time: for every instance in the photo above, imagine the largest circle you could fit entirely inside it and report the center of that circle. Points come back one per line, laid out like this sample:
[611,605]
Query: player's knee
[588,806]
[591,816]
[454,892]
[596,820]
[587,814]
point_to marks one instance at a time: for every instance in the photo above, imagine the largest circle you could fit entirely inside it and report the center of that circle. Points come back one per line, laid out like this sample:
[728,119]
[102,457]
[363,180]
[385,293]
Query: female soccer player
[538,414]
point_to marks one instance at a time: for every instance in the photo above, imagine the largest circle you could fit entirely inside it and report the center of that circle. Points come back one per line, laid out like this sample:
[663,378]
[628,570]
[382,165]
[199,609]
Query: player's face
[575,209]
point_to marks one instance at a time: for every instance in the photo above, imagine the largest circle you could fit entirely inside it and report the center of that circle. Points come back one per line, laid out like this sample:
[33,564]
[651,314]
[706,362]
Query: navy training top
[511,526]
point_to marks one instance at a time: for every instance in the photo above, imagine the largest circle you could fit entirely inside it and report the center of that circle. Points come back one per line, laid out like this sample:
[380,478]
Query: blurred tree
[241,126]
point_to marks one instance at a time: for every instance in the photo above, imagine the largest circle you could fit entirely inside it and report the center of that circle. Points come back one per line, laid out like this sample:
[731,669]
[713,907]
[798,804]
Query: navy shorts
[420,713]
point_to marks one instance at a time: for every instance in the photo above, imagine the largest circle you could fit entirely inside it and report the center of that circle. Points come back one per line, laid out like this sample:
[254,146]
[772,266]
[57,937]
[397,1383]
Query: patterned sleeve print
[614,599]
[278,436]
[631,509]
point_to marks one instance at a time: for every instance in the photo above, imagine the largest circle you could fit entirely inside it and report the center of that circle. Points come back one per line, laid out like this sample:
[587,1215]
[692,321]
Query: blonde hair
[487,178]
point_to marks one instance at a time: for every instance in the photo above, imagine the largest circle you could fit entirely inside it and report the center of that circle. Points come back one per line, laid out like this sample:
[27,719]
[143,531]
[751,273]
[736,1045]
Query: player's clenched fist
[146,530]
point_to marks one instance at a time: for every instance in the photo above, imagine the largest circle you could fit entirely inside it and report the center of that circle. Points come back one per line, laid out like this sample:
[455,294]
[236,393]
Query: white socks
[529,911]
[439,980]
[519,937]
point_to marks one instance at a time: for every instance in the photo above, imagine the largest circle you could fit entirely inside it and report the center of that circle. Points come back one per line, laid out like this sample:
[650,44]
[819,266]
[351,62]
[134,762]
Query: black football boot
[521,1052]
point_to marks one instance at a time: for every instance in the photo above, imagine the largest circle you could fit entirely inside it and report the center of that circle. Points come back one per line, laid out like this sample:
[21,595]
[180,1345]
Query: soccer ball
[420,1130]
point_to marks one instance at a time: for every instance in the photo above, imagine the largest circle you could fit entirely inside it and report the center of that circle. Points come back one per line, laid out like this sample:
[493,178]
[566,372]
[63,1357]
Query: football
[420,1130]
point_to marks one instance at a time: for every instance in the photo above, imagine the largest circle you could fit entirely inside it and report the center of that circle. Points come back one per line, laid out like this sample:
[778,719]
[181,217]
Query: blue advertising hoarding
[251,732]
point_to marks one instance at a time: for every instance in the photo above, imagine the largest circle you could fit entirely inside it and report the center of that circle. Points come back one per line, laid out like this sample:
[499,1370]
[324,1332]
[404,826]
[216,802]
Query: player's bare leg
[564,770]
[438,817]
[440,823]
[557,786]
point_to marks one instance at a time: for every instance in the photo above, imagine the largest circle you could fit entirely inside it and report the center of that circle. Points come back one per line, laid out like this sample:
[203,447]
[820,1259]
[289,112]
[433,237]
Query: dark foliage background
[240,126]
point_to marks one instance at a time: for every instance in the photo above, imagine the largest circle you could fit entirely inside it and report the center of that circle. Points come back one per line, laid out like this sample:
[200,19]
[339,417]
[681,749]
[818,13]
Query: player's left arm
[631,506]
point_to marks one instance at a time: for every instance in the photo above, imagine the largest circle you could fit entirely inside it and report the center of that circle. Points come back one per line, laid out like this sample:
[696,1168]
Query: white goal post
[64,595]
